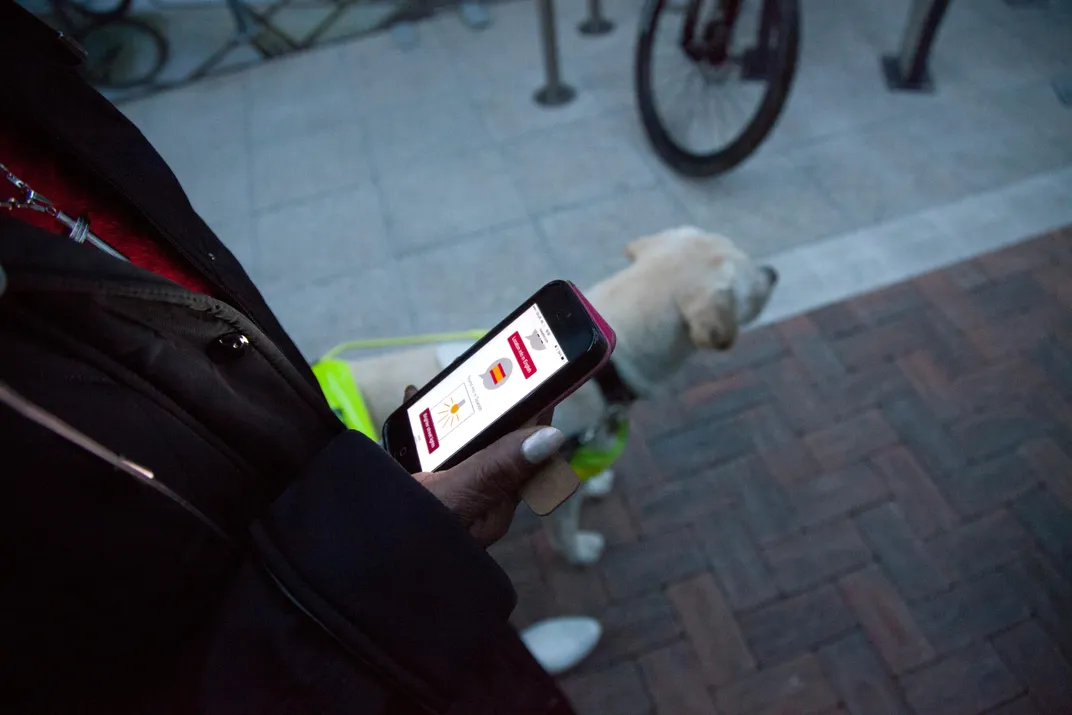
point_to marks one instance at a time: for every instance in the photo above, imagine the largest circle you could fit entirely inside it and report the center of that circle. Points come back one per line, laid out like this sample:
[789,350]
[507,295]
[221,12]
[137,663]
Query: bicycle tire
[76,13]
[758,127]
[98,75]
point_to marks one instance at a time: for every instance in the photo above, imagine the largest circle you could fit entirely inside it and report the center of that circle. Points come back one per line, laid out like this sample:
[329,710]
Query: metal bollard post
[554,93]
[908,69]
[595,23]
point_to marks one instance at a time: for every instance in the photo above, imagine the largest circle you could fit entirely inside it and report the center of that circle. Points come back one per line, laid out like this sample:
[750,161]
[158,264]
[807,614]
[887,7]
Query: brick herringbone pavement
[867,509]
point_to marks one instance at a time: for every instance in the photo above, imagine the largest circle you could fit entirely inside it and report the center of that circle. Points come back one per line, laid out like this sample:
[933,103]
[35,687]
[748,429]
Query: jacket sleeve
[359,575]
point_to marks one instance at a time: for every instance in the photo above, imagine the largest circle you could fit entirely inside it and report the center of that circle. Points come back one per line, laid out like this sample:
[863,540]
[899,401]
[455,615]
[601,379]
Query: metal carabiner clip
[32,201]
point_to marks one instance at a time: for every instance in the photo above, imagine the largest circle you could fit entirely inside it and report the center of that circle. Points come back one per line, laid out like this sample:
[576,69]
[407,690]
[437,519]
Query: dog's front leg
[598,486]
[580,548]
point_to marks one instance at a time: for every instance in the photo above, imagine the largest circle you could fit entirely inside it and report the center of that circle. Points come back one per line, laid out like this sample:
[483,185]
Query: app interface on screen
[484,387]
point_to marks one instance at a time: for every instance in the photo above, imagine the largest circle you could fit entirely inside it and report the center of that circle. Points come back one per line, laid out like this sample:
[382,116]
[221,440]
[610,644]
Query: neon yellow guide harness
[344,397]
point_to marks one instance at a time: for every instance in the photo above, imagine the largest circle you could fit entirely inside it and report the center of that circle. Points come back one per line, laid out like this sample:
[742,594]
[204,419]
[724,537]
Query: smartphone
[529,362]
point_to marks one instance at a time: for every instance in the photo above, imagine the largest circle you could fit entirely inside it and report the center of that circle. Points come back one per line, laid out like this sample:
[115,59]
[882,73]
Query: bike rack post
[595,23]
[908,69]
[554,93]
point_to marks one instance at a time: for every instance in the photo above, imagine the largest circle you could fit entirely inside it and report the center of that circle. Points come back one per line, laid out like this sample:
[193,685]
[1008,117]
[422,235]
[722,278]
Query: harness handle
[402,341]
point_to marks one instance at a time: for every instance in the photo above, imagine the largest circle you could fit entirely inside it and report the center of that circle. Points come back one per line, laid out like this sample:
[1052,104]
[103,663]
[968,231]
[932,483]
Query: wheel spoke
[698,104]
[690,113]
[712,121]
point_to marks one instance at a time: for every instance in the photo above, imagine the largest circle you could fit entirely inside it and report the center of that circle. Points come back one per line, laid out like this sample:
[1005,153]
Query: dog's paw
[600,485]
[586,549]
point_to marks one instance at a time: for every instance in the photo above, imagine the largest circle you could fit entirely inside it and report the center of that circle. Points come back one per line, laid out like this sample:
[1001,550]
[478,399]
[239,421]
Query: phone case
[557,481]
[603,325]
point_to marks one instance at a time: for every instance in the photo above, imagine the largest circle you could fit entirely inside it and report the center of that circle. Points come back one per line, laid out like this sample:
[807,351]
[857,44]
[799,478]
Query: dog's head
[718,289]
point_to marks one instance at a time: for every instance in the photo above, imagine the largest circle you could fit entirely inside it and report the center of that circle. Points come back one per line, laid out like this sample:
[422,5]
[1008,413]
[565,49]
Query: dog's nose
[772,275]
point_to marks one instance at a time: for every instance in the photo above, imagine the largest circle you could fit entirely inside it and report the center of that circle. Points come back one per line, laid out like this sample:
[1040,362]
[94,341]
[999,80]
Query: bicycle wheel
[712,77]
[123,53]
[77,12]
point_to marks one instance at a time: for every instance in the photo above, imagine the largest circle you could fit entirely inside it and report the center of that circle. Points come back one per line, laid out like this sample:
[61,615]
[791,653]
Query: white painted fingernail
[541,446]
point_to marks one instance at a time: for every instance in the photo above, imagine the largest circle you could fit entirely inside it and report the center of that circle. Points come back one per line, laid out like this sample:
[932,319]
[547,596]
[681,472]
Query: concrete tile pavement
[320,237]
[457,286]
[442,145]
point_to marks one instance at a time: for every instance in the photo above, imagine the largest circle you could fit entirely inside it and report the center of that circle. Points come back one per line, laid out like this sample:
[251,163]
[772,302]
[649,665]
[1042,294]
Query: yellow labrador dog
[685,290]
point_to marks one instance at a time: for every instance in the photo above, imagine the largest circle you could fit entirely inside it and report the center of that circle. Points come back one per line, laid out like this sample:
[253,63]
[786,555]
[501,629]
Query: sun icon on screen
[450,412]
[453,409]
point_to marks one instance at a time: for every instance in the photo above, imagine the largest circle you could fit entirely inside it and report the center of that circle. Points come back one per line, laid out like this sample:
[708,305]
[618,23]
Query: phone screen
[502,373]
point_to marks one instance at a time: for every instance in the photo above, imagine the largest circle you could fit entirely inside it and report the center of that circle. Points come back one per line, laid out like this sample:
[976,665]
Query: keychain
[33,201]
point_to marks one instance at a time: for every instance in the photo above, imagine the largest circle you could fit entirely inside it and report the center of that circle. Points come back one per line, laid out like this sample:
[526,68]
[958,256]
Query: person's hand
[483,491]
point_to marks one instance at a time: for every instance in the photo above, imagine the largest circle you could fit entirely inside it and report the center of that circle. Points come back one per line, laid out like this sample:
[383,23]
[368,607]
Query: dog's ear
[711,316]
[639,245]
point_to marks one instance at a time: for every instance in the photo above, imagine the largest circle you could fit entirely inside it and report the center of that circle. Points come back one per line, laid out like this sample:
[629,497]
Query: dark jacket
[346,588]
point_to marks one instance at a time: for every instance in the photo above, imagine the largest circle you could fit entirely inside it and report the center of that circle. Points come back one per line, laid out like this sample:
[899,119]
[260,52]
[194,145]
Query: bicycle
[121,52]
[125,52]
[724,47]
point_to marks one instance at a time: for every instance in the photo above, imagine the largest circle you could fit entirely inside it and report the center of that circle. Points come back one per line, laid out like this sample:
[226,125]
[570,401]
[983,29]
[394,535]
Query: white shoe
[559,644]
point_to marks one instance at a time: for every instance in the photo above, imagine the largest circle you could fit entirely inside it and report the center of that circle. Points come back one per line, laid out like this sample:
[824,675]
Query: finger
[499,471]
[409,392]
